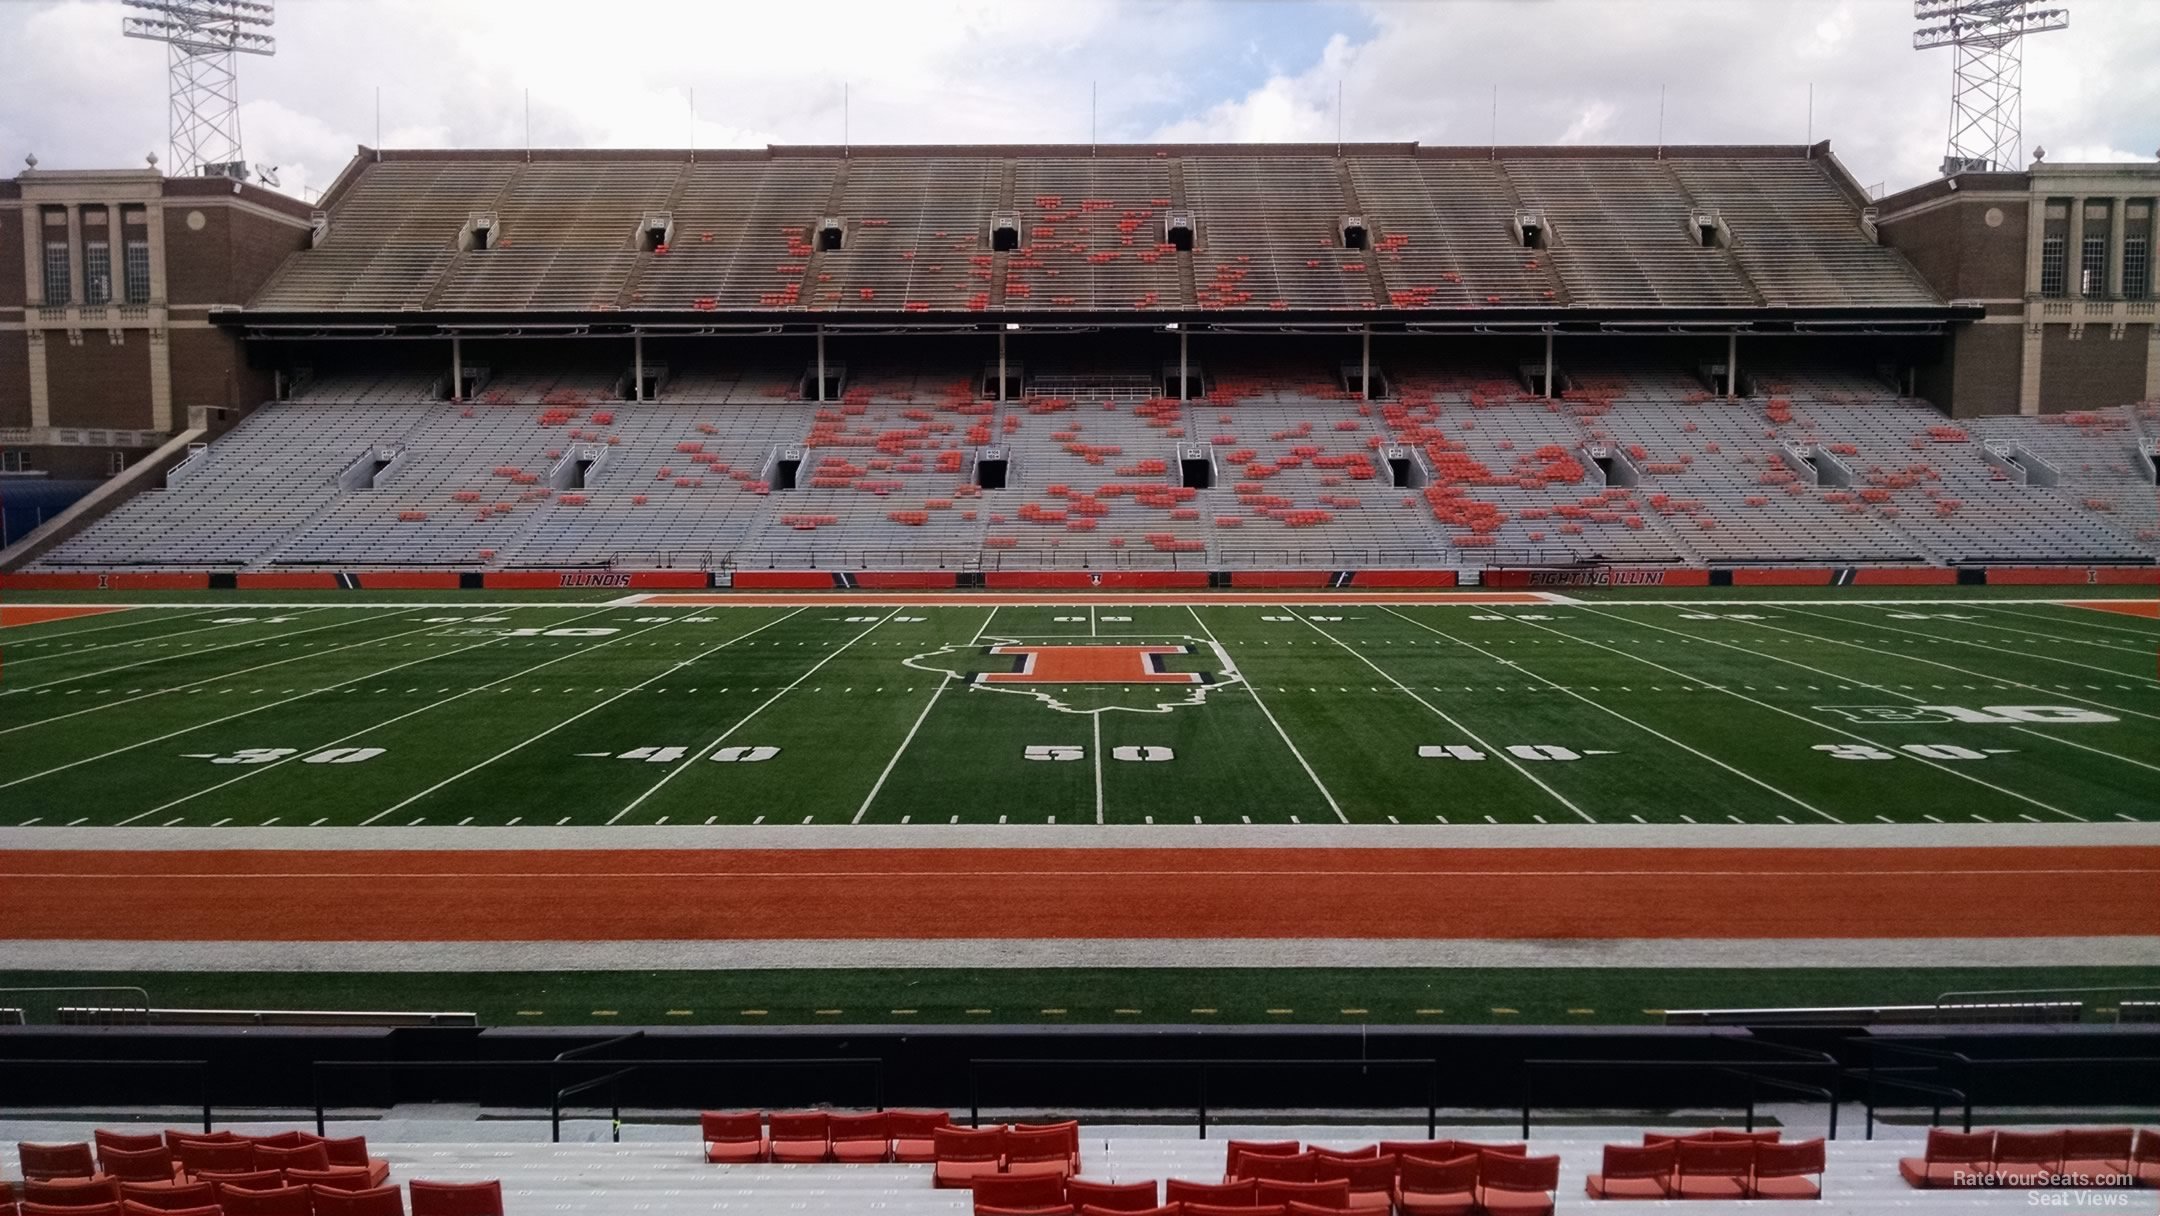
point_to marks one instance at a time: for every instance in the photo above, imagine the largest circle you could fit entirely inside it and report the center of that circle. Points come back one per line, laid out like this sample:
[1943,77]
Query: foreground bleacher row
[175,1173]
[542,472]
[1130,1169]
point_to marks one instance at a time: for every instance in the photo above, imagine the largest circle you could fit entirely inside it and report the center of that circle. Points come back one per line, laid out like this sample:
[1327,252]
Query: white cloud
[455,73]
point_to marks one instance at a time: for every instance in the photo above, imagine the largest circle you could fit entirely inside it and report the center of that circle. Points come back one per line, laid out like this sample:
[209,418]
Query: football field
[1309,807]
[834,711]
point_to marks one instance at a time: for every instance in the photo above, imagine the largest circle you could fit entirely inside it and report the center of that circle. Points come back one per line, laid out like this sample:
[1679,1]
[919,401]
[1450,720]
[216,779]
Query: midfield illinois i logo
[1084,676]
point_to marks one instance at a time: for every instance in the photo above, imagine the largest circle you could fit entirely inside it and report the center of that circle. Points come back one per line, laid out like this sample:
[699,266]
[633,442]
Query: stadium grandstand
[1368,828]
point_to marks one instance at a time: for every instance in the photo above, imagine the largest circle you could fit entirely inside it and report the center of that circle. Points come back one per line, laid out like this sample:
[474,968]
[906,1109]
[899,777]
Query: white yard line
[257,770]
[2101,619]
[1603,708]
[688,762]
[894,761]
[245,712]
[190,654]
[214,679]
[1096,755]
[529,741]
[1994,620]
[122,621]
[1451,720]
[142,641]
[2113,672]
[1906,696]
[1254,689]
[1819,725]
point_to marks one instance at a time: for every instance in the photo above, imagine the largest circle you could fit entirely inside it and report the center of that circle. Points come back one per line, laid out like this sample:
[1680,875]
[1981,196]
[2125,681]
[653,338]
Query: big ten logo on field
[1153,675]
[1986,715]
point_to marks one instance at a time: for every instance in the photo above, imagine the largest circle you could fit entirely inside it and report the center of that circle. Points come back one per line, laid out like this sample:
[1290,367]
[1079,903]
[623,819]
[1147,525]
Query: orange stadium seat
[374,1201]
[733,1138]
[1950,1159]
[1632,1172]
[861,1139]
[801,1137]
[132,1142]
[456,1198]
[269,1201]
[169,1194]
[1788,1170]
[965,1154]
[914,1131]
[71,1192]
[1245,1191]
[1025,1191]
[55,1160]
[1111,1196]
[1438,1188]
[153,1164]
[1510,1185]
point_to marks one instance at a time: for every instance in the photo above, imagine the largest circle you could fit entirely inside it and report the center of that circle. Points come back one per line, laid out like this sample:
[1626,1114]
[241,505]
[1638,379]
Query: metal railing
[1747,1074]
[142,995]
[553,1093]
[200,1069]
[1202,1071]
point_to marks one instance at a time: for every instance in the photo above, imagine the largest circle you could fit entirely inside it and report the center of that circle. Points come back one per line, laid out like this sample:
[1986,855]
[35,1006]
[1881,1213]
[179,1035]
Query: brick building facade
[2061,257]
[107,282]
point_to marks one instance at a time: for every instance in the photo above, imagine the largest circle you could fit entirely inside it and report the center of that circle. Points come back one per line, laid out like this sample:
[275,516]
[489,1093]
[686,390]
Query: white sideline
[625,837]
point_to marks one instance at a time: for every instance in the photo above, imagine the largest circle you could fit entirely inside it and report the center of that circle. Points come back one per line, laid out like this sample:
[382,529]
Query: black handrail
[613,1081]
[319,1068]
[1744,1069]
[201,1069]
[1201,1068]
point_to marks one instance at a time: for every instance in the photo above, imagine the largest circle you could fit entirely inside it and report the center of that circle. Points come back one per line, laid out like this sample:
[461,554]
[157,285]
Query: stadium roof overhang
[1641,322]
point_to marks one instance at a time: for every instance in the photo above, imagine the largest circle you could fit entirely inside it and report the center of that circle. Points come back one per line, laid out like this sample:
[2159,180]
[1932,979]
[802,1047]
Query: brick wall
[209,368]
[1959,253]
[1983,369]
[11,255]
[14,378]
[229,257]
[98,384]
[2092,372]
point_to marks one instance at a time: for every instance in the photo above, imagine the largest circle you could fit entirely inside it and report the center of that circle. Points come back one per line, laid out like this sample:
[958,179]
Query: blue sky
[456,73]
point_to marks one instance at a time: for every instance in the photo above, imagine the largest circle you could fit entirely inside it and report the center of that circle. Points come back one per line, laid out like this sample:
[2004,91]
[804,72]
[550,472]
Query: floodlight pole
[202,37]
[1986,82]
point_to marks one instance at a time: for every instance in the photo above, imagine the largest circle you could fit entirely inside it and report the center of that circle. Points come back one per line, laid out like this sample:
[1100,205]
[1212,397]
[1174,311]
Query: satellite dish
[267,175]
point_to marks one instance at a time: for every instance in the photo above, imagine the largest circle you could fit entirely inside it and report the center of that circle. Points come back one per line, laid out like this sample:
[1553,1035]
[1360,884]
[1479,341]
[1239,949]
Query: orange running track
[718,895]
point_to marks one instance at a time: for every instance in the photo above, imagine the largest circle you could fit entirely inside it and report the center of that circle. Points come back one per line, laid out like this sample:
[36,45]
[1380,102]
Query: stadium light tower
[1988,38]
[202,37]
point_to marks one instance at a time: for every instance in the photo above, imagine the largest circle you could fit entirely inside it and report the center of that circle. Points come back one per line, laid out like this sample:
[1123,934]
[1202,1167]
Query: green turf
[931,996]
[1608,711]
